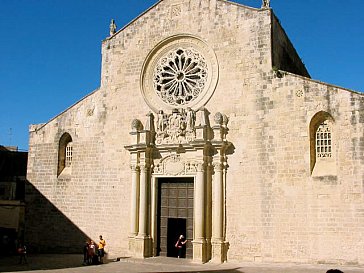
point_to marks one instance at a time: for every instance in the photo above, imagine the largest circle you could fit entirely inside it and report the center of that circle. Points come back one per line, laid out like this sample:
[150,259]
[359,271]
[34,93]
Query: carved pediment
[175,165]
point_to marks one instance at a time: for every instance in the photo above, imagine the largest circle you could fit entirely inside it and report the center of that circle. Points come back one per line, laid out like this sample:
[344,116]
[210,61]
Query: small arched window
[323,140]
[65,153]
[322,145]
[68,161]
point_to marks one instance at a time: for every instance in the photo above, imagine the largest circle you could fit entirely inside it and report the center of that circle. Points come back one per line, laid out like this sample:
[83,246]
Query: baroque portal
[181,143]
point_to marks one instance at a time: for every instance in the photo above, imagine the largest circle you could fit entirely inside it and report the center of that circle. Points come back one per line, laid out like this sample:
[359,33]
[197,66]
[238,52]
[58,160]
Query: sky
[50,50]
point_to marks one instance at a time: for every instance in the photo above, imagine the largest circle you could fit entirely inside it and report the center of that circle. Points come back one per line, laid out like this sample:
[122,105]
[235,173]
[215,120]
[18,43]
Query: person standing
[91,253]
[181,242]
[85,252]
[101,251]
[22,251]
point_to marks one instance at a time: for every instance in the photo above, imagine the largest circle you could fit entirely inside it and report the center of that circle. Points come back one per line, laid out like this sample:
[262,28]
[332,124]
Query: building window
[180,76]
[323,140]
[65,154]
[322,145]
[68,154]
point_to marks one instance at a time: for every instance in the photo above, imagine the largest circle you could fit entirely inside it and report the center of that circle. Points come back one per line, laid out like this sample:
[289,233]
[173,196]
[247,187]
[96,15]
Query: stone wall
[275,209]
[285,213]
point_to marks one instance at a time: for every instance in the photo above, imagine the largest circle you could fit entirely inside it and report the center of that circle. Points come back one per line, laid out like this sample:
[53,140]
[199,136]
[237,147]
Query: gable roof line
[154,5]
[68,108]
[132,21]
[321,82]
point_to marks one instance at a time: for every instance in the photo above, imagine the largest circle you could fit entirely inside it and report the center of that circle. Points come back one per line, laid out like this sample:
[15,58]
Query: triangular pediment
[176,7]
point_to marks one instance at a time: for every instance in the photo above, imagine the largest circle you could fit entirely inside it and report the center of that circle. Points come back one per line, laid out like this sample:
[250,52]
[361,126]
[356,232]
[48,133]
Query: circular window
[180,76]
[180,72]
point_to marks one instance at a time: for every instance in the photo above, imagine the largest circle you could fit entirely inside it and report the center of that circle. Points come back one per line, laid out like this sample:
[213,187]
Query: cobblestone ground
[73,264]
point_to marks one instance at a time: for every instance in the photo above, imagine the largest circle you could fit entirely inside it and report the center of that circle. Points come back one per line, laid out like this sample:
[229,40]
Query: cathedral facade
[207,125]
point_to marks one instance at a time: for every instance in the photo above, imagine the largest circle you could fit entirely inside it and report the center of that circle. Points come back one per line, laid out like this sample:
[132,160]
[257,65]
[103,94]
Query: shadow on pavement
[234,270]
[40,262]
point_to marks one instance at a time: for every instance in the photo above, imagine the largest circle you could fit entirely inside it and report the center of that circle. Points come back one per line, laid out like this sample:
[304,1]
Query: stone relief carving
[174,165]
[190,167]
[178,127]
[181,71]
[180,76]
[181,126]
[176,11]
[299,93]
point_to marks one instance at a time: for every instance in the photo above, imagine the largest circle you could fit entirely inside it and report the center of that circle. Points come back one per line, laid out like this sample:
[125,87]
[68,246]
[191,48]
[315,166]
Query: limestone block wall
[240,38]
[275,209]
[62,211]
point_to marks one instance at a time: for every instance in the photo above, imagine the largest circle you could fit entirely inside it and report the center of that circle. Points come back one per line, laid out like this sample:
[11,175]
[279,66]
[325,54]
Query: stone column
[134,206]
[199,242]
[218,204]
[142,241]
[208,207]
[143,202]
[153,215]
[217,241]
[135,180]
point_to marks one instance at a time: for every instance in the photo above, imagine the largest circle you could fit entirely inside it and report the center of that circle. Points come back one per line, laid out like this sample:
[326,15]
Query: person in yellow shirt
[101,250]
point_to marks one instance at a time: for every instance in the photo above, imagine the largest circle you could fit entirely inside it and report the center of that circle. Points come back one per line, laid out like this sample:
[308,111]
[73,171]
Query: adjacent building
[13,169]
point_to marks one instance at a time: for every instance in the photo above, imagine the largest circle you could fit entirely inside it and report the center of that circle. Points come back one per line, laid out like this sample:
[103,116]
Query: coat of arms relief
[177,127]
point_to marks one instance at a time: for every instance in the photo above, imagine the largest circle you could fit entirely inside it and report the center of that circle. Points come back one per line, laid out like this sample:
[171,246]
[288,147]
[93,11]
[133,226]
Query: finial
[112,27]
[266,4]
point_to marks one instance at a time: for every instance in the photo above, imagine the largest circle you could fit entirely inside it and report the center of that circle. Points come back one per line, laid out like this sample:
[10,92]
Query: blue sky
[51,50]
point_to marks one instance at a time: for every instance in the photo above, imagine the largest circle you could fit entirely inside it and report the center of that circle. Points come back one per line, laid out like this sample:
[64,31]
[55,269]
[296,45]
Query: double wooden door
[175,215]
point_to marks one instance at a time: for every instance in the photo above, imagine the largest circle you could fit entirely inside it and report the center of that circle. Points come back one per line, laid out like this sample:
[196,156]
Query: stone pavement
[73,264]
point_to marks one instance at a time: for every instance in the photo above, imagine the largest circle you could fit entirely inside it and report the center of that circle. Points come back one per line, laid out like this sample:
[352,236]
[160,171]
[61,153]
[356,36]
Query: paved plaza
[73,264]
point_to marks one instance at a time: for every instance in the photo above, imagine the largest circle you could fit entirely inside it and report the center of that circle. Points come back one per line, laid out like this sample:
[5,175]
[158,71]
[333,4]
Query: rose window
[180,76]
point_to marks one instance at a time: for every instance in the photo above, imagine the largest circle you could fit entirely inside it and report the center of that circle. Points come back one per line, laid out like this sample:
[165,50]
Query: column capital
[218,166]
[200,166]
[144,167]
[134,168]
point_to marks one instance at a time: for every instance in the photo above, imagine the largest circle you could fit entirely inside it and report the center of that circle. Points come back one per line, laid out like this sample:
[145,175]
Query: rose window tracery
[180,76]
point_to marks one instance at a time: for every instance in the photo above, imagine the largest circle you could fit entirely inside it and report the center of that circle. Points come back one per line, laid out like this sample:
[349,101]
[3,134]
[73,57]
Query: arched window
[68,161]
[322,145]
[65,152]
[323,140]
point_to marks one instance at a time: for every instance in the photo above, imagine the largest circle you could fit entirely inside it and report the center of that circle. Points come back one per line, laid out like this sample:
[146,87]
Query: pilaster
[199,242]
[134,208]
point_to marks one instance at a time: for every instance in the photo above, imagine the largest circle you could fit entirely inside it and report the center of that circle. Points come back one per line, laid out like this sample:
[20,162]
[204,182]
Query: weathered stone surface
[275,206]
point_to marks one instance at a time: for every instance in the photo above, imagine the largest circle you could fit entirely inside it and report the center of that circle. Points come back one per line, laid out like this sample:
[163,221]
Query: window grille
[323,140]
[68,154]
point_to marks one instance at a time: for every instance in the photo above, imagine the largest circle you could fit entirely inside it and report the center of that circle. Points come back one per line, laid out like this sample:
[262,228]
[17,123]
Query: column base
[131,244]
[200,251]
[141,247]
[219,252]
